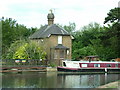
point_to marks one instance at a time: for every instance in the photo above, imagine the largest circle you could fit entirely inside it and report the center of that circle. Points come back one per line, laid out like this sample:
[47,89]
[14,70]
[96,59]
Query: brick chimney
[50,17]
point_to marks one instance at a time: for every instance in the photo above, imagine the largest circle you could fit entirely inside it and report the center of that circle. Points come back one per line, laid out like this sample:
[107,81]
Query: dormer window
[59,39]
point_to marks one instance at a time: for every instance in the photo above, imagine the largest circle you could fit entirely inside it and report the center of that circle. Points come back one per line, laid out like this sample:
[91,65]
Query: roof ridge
[38,31]
[47,30]
[63,29]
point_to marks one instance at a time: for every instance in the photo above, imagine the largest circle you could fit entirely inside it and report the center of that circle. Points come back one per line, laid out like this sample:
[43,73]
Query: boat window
[96,65]
[116,65]
[84,65]
[64,64]
[108,65]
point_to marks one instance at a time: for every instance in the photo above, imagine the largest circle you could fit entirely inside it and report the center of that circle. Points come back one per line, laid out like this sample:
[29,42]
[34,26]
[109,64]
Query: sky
[33,13]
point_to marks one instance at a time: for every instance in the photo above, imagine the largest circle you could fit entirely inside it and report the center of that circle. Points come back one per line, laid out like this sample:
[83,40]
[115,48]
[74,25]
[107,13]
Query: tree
[113,15]
[113,31]
[25,50]
[12,31]
[8,35]
[108,41]
[82,45]
[70,28]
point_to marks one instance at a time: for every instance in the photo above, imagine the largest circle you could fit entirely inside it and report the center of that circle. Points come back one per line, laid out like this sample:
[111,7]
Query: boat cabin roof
[90,61]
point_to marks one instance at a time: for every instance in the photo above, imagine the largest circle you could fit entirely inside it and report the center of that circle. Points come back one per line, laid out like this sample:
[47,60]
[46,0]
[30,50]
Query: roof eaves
[62,32]
[71,37]
[49,35]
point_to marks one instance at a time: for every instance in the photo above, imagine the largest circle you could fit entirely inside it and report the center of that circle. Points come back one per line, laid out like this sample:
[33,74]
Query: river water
[56,80]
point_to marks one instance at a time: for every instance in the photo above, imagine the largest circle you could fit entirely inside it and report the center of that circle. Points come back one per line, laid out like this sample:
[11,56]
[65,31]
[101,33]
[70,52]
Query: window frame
[85,65]
[108,65]
[98,65]
[59,39]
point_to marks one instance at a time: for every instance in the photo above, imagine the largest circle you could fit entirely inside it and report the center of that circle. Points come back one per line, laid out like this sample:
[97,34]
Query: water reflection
[56,80]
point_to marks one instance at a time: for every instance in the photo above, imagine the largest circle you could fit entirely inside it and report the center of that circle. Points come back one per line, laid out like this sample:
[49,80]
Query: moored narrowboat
[89,66]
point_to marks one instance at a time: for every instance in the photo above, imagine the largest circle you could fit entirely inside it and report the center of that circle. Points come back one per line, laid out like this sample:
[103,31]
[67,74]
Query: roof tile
[47,30]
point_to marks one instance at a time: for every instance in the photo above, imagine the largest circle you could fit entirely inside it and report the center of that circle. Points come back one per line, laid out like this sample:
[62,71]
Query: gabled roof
[47,30]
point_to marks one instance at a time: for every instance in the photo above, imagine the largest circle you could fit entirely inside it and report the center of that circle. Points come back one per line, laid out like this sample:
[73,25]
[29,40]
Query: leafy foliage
[70,28]
[113,32]
[26,50]
[12,31]
[113,15]
[82,43]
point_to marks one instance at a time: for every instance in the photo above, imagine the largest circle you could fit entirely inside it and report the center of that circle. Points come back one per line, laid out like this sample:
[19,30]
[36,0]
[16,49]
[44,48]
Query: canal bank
[115,84]
[38,68]
[28,69]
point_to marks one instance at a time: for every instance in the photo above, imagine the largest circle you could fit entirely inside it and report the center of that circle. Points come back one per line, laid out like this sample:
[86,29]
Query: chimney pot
[50,17]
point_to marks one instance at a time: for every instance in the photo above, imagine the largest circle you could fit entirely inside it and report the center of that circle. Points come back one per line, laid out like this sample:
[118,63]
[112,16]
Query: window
[116,65]
[68,52]
[108,65]
[84,65]
[59,39]
[96,65]
[64,64]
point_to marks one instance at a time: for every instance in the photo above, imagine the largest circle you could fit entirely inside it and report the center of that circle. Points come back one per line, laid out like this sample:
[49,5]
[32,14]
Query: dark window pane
[108,65]
[116,65]
[64,64]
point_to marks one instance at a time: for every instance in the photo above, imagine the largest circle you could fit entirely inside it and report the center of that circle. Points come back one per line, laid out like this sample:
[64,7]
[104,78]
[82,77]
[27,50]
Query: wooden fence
[24,62]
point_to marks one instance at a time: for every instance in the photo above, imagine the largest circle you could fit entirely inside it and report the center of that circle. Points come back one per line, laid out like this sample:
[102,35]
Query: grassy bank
[115,84]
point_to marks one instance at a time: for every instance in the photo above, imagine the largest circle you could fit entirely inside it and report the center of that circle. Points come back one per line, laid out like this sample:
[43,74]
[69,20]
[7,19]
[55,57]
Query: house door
[59,55]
